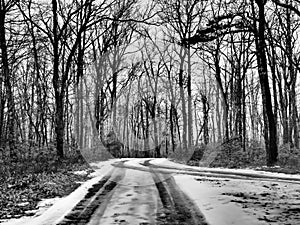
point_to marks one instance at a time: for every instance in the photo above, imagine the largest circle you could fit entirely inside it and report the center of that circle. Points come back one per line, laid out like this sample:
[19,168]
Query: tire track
[220,174]
[176,208]
[179,209]
[97,197]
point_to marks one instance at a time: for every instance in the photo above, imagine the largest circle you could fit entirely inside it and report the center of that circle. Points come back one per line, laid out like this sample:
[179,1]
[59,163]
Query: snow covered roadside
[223,201]
[61,206]
[243,172]
[274,198]
[247,202]
[43,205]
[217,209]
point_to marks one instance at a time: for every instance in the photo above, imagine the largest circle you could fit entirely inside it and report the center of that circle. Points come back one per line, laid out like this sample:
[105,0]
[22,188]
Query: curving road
[135,193]
[143,191]
[156,191]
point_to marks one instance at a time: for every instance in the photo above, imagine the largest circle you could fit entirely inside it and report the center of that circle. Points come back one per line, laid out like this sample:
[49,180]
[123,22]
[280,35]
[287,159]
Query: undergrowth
[232,155]
[26,181]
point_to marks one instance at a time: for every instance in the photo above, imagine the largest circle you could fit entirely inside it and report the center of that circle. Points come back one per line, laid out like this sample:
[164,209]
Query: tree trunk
[293,133]
[218,114]
[7,81]
[205,119]
[238,105]
[182,98]
[172,126]
[269,121]
[59,96]
[224,95]
[59,125]
[190,124]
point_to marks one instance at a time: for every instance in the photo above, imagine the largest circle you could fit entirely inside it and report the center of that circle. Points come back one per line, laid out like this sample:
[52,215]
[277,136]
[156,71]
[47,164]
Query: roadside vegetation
[232,155]
[24,183]
[143,80]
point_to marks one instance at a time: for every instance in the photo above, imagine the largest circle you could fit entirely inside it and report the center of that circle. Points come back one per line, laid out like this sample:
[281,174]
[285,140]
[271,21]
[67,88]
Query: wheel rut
[178,208]
[97,196]
[121,198]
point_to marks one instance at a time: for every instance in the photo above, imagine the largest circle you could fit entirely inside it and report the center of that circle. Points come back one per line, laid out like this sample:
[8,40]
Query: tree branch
[287,6]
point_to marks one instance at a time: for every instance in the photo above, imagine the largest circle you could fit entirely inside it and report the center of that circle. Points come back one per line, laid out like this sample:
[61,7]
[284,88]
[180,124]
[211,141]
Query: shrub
[231,154]
[288,157]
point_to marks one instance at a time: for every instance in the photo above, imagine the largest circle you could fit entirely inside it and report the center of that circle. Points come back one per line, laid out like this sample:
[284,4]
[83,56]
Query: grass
[24,184]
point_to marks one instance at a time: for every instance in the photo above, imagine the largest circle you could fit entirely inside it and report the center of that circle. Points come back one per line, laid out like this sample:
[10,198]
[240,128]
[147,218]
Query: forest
[150,78]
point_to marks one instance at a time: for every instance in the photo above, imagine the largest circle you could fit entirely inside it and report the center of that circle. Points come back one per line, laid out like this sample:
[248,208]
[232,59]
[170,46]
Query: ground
[159,191]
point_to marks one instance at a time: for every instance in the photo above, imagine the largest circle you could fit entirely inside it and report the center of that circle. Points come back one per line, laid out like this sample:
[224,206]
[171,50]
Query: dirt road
[134,196]
[159,191]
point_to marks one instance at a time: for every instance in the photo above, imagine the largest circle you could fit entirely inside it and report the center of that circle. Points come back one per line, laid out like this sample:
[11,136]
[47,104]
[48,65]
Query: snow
[80,172]
[222,201]
[134,201]
[225,202]
[273,198]
[242,172]
[217,209]
[43,205]
[47,202]
[63,205]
